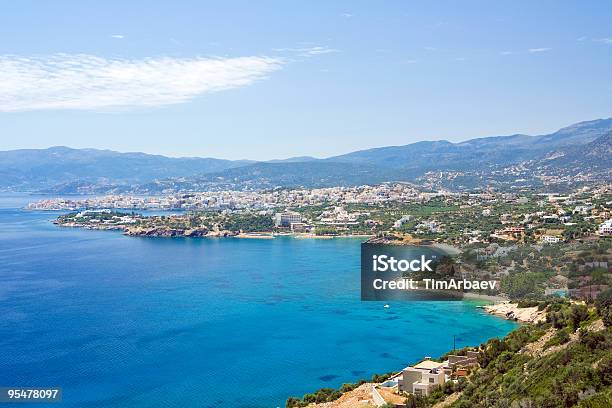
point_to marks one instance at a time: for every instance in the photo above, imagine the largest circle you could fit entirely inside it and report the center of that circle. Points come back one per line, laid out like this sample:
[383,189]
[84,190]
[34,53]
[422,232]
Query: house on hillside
[421,378]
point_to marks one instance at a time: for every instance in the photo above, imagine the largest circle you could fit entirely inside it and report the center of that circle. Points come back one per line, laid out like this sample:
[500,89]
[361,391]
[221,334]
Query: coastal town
[532,244]
[443,216]
[244,200]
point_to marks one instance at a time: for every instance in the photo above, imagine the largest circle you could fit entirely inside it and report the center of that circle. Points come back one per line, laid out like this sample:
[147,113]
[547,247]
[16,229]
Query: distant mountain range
[516,161]
[43,168]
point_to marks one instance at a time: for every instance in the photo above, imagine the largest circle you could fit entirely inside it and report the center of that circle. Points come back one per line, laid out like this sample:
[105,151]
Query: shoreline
[197,233]
[252,235]
[488,298]
[314,236]
[511,311]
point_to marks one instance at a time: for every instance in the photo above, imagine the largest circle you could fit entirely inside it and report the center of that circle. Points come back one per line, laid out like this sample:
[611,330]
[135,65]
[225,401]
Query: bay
[142,322]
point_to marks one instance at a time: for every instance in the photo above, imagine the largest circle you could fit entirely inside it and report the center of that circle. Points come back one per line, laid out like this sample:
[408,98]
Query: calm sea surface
[141,322]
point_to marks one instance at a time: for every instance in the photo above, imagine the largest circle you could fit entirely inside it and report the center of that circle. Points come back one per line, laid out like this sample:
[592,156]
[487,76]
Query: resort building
[285,219]
[299,227]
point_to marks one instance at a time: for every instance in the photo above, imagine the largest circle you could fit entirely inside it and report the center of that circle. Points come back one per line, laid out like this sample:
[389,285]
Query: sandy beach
[314,236]
[254,236]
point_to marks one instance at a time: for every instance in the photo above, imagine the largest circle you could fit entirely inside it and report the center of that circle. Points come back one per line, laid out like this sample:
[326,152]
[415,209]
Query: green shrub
[562,336]
[527,303]
[416,401]
[578,314]
[604,370]
[604,306]
[602,400]
[594,340]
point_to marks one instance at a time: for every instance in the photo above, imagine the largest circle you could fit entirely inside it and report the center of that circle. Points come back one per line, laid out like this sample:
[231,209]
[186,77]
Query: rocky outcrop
[165,232]
[511,311]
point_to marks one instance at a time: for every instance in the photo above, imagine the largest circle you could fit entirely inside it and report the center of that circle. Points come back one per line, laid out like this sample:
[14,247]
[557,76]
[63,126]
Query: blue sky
[263,80]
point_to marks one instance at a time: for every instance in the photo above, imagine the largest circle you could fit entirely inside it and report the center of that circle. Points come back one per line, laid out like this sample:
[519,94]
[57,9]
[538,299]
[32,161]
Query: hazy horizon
[296,155]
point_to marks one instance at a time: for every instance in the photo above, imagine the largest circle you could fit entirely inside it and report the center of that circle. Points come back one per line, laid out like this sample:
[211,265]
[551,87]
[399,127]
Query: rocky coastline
[512,311]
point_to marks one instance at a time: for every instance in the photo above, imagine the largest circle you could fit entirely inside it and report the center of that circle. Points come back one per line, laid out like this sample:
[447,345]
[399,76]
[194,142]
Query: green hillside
[564,363]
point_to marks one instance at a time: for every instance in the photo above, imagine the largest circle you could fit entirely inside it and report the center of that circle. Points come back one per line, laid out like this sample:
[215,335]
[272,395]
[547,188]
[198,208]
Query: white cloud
[318,50]
[604,40]
[544,49]
[506,53]
[81,81]
[308,51]
[346,15]
[117,36]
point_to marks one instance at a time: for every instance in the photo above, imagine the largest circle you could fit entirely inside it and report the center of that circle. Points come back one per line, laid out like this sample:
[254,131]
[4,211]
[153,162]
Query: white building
[583,209]
[401,221]
[605,229]
[549,239]
[422,378]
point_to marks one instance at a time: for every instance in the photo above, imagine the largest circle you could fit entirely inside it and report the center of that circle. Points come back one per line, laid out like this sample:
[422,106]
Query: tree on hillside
[604,306]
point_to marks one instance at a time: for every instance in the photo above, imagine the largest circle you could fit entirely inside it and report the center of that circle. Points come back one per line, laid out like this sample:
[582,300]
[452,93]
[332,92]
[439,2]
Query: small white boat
[387,306]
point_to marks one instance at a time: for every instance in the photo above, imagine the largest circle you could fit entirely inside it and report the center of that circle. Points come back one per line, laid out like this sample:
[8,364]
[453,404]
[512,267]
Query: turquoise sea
[140,322]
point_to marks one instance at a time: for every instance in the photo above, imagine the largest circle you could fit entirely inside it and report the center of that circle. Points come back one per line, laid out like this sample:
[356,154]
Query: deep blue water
[140,322]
